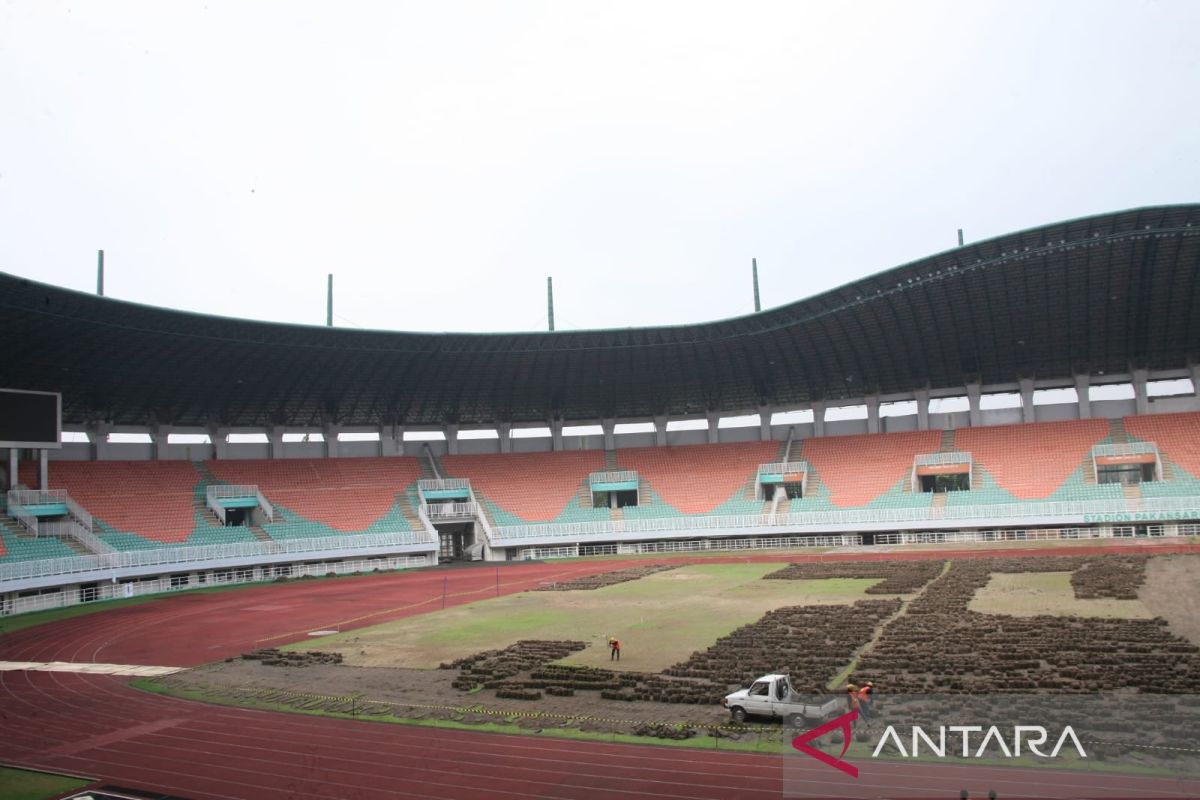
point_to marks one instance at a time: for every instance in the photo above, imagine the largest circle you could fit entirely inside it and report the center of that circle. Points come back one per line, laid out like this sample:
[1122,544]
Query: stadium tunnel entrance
[457,542]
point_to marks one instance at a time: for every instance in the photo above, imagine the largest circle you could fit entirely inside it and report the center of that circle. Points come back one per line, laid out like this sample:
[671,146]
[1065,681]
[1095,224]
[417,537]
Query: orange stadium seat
[858,469]
[152,499]
[535,487]
[1031,461]
[345,494]
[695,479]
[1177,437]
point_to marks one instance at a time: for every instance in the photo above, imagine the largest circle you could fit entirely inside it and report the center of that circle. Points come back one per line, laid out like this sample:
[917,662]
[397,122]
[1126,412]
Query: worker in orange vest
[866,701]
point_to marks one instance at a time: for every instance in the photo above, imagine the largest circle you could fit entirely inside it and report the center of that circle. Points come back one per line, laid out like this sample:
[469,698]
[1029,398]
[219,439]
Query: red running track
[99,727]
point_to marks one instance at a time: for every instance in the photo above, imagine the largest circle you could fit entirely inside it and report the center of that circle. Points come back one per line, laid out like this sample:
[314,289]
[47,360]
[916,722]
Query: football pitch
[660,619]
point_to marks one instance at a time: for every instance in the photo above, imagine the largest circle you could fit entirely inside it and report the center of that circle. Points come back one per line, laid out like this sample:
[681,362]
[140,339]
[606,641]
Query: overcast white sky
[441,159]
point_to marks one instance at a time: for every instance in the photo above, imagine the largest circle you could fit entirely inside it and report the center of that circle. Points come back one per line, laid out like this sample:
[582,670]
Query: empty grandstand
[359,456]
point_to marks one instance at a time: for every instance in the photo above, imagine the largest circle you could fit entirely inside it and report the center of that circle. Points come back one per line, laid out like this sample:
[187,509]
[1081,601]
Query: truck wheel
[739,714]
[793,720]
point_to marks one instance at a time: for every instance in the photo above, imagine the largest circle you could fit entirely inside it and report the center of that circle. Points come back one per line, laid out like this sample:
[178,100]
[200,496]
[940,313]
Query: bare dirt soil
[423,693]
[1172,591]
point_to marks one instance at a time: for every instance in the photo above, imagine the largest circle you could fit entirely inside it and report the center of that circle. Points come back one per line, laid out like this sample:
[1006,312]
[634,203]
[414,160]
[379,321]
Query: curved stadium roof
[1103,293]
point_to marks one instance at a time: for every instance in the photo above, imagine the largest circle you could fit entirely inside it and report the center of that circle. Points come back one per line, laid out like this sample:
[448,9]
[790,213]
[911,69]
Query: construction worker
[865,701]
[614,645]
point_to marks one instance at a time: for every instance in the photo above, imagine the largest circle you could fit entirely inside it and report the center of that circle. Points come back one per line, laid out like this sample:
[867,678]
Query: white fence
[217,491]
[1036,534]
[689,546]
[172,557]
[70,596]
[783,468]
[942,459]
[441,484]
[446,511]
[612,476]
[1102,510]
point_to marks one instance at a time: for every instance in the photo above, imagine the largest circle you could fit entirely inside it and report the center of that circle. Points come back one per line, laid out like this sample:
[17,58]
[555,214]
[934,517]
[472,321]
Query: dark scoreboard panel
[30,419]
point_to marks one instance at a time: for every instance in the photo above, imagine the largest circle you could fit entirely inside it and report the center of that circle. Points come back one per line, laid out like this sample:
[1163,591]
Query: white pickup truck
[772,696]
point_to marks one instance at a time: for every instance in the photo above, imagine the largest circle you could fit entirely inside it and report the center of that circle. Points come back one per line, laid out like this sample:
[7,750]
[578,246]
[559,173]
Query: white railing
[899,516]
[612,476]
[443,511]
[442,484]
[224,576]
[1125,449]
[29,521]
[942,459]
[80,514]
[265,504]
[90,540]
[784,468]
[160,556]
[427,523]
[36,497]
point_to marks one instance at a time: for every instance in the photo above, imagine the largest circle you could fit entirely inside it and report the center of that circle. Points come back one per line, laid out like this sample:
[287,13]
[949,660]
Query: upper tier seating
[699,478]
[151,499]
[331,495]
[858,470]
[1032,461]
[531,487]
[1177,437]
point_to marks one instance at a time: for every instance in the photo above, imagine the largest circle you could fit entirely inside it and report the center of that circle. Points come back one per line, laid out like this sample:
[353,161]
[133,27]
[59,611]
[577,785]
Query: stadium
[890,453]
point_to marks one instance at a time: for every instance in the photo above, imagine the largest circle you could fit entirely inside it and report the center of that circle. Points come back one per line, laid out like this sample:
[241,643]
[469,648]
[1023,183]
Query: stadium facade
[1109,299]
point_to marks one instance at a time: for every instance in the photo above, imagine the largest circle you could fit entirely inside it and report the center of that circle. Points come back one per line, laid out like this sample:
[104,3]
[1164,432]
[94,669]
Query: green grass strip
[21,784]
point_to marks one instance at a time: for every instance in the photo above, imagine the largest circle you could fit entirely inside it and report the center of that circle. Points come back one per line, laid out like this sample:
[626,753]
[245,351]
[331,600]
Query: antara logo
[1029,737]
[843,723]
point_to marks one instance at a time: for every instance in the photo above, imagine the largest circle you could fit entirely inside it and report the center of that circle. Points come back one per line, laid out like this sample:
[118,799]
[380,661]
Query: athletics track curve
[97,726]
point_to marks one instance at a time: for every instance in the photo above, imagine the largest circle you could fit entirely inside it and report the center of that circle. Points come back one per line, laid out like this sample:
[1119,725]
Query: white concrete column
[974,391]
[220,442]
[1027,410]
[1082,383]
[607,425]
[922,396]
[158,435]
[818,409]
[275,441]
[872,404]
[451,432]
[660,431]
[391,440]
[556,435]
[1195,370]
[714,430]
[43,469]
[504,431]
[1141,398]
[14,476]
[330,434]
[764,423]
[98,437]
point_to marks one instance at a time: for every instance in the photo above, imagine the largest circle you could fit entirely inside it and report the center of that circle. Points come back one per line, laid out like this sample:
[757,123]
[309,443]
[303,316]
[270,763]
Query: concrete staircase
[405,500]
[1116,431]
[585,494]
[947,445]
[610,461]
[259,533]
[1133,494]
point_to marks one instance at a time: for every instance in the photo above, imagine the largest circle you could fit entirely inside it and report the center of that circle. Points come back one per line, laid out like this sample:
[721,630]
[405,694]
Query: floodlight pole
[754,269]
[329,302]
[550,301]
[100,273]
[960,239]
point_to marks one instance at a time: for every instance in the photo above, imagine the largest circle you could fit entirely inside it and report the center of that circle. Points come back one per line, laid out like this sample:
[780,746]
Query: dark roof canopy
[1104,293]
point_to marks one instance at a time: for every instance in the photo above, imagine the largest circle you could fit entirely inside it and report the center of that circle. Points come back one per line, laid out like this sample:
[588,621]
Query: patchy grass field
[661,619]
[1029,594]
